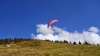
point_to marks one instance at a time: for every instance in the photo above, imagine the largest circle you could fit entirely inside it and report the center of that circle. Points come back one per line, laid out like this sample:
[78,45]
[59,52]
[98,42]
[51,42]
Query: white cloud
[44,30]
[94,29]
[59,34]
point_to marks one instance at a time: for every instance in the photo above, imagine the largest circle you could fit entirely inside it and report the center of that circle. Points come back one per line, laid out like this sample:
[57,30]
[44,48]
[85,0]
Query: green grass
[46,48]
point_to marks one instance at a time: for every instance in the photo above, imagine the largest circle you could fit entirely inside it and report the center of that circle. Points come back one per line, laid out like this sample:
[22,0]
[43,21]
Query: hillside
[46,48]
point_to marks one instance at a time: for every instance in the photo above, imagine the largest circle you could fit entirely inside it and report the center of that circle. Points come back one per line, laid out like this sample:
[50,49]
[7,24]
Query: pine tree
[15,39]
[79,42]
[86,42]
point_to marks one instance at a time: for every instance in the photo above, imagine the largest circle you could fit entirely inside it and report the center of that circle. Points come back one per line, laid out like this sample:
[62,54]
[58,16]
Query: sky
[19,18]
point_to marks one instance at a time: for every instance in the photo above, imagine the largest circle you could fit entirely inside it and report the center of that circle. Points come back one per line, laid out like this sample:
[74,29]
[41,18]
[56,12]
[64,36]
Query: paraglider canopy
[51,22]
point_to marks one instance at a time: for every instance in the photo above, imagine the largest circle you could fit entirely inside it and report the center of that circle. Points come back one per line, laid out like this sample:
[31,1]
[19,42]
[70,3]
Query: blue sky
[18,18]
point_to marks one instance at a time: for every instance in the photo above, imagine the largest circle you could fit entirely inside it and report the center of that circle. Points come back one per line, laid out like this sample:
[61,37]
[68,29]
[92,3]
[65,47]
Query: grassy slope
[45,48]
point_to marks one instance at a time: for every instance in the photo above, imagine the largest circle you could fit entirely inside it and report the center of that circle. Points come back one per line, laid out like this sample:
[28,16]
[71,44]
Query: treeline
[67,42]
[18,40]
[13,40]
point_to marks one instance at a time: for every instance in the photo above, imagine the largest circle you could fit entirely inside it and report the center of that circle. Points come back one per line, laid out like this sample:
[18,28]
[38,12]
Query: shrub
[65,41]
[74,43]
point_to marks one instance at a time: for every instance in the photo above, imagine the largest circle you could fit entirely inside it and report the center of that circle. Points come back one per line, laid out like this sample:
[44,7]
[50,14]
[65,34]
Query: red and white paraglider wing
[51,22]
